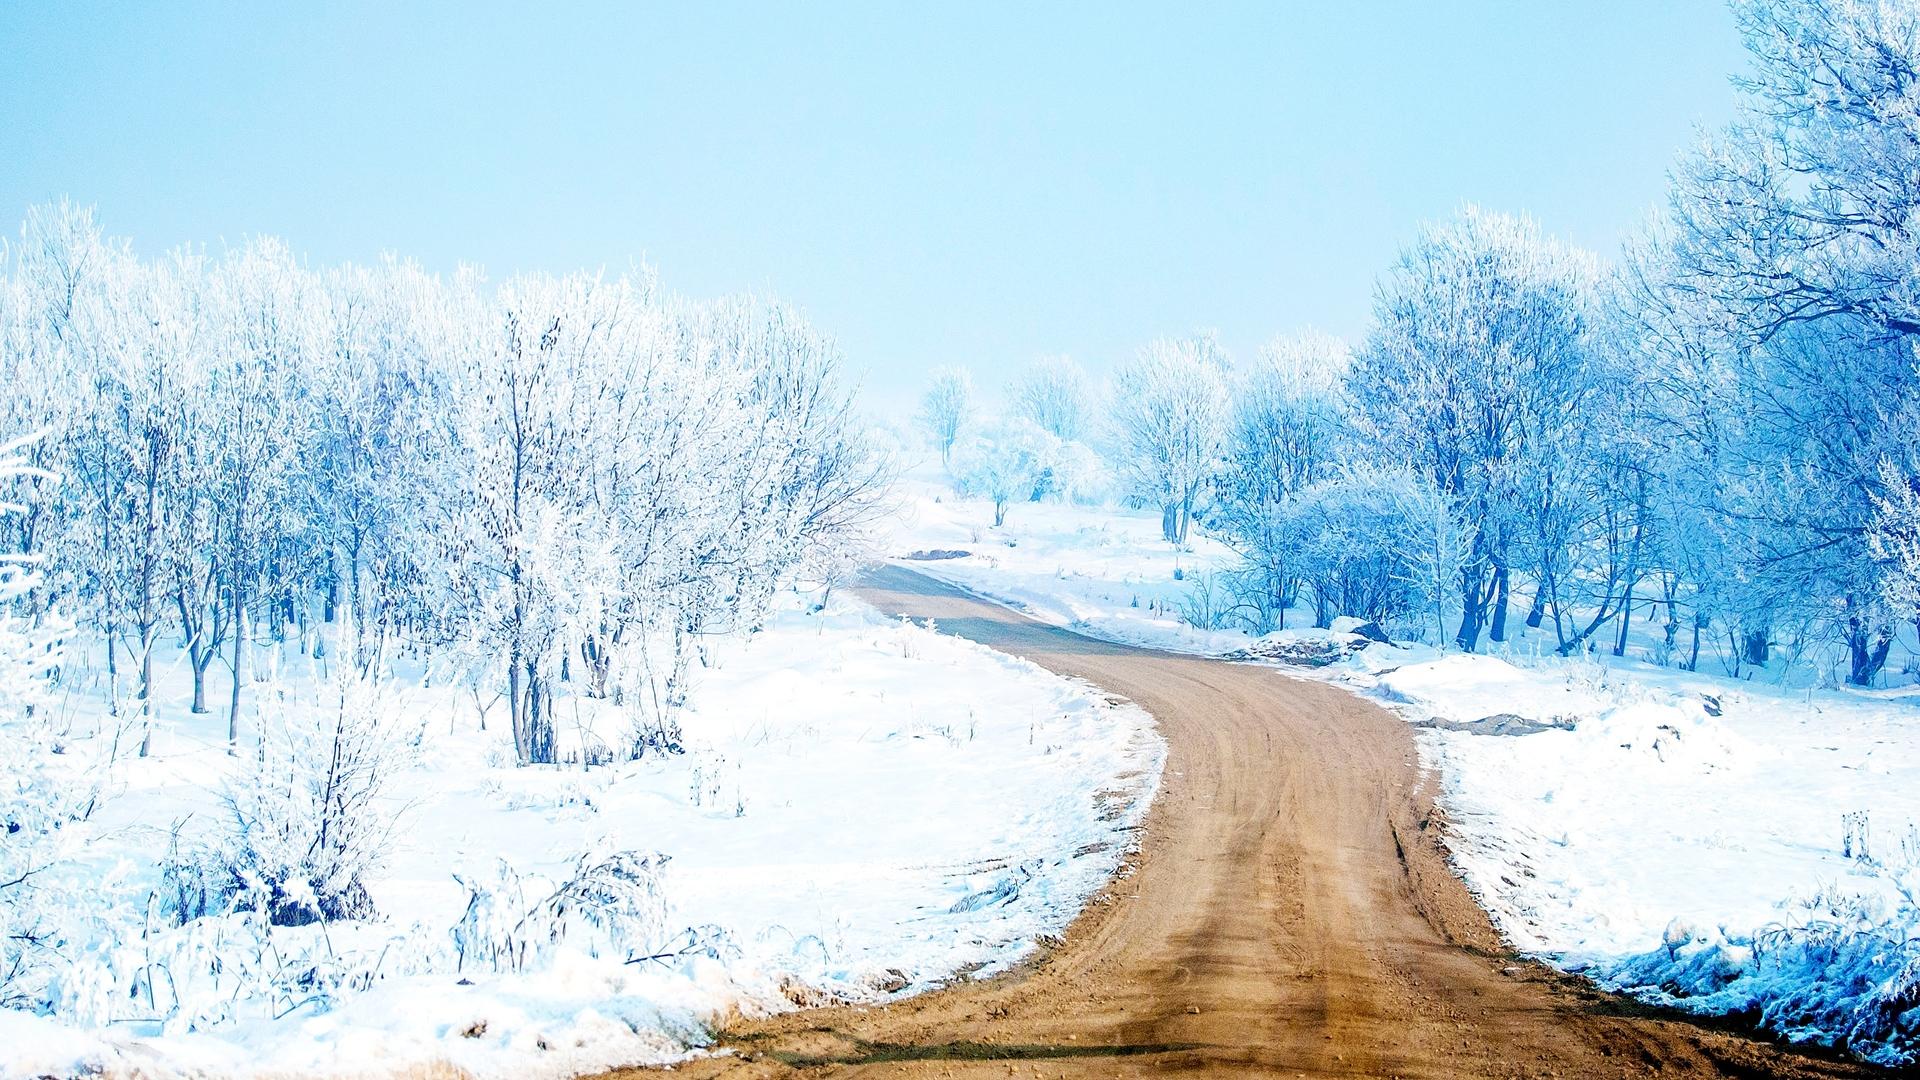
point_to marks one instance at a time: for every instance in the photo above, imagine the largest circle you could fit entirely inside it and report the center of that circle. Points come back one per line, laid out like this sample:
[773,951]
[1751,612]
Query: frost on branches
[548,487]
[41,795]
[550,494]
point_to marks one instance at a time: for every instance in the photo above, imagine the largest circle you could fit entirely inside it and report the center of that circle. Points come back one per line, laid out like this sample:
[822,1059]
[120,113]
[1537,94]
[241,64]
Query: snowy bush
[310,816]
[1208,603]
[1055,396]
[613,906]
[218,969]
[1345,534]
[1844,971]
[1077,474]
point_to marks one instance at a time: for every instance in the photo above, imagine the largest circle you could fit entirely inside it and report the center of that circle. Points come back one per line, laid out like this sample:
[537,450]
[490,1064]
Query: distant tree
[150,340]
[563,485]
[1289,429]
[1054,395]
[267,331]
[1006,462]
[946,408]
[1170,415]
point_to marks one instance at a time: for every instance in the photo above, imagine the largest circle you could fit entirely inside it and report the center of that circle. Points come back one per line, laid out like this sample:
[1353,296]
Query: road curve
[1290,913]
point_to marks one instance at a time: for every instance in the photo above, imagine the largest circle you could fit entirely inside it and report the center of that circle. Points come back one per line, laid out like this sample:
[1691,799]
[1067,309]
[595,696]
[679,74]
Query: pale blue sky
[972,184]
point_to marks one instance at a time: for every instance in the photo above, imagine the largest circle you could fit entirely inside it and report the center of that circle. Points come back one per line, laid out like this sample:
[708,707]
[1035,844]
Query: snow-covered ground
[866,808]
[1722,847]
[1727,846]
[1104,572]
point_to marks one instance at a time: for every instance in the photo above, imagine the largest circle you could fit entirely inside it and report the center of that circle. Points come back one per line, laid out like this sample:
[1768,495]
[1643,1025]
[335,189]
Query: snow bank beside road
[1716,846]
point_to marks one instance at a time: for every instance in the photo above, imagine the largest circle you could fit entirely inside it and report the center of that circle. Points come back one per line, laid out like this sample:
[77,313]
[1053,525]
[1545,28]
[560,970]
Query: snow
[1697,860]
[1102,572]
[1680,855]
[866,808]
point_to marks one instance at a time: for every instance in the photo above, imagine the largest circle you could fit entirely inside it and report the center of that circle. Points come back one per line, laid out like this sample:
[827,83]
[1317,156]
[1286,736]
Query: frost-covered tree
[946,408]
[1789,259]
[1170,415]
[374,400]
[1289,430]
[1798,212]
[626,477]
[40,798]
[45,330]
[554,486]
[1006,463]
[266,331]
[532,392]
[149,343]
[1055,396]
[1479,350]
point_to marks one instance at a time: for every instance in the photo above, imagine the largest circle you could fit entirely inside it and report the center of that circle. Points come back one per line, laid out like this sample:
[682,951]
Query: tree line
[550,481]
[1715,431]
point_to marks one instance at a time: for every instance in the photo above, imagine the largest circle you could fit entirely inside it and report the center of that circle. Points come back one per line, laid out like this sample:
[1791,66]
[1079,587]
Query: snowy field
[1719,845]
[865,809]
[1105,573]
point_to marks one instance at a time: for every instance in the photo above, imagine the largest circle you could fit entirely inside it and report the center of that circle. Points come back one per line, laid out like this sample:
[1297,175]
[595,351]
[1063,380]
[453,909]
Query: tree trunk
[113,672]
[1626,620]
[539,737]
[1537,611]
[1672,628]
[1499,630]
[1473,609]
[239,646]
[356,604]
[148,619]
[515,713]
[199,665]
[146,691]
[1868,648]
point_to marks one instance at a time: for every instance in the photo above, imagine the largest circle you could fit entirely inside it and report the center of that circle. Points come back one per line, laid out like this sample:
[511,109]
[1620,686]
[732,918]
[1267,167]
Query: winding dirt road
[1290,912]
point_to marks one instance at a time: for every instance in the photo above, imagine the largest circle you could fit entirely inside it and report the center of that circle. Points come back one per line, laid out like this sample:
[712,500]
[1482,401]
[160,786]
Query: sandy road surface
[1290,913]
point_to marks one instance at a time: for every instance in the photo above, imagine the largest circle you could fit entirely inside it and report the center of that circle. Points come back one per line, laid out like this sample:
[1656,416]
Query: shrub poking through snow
[311,819]
[613,906]
[1845,972]
[1856,829]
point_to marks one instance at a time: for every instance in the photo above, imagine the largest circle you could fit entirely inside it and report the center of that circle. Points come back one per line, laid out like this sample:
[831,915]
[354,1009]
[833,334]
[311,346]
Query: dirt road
[1290,913]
